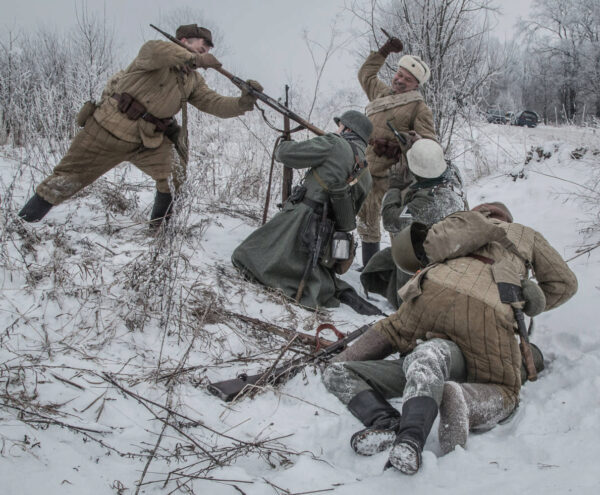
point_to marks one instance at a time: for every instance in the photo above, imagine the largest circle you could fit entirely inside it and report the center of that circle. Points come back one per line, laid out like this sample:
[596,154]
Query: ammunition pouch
[342,205]
[135,110]
[87,110]
[297,195]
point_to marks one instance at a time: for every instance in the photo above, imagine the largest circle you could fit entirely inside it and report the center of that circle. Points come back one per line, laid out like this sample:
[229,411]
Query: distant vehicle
[496,116]
[525,118]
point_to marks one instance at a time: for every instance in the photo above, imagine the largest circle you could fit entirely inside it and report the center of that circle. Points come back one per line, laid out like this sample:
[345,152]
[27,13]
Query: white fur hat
[426,159]
[416,67]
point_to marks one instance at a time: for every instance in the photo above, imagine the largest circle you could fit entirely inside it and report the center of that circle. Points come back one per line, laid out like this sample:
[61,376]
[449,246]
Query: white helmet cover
[426,159]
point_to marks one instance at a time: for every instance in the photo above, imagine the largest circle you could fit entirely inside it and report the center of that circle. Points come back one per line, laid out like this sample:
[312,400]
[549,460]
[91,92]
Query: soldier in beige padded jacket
[452,327]
[401,104]
[159,81]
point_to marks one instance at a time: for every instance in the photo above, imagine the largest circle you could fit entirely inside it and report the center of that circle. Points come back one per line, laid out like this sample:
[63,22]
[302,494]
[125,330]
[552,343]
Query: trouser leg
[369,215]
[426,369]
[429,365]
[363,387]
[92,153]
[158,163]
[471,407]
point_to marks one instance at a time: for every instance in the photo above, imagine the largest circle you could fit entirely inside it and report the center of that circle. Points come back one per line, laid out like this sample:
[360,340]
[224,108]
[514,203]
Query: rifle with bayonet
[240,83]
[230,389]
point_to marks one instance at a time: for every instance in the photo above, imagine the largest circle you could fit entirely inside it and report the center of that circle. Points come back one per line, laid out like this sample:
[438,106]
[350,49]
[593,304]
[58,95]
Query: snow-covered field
[109,337]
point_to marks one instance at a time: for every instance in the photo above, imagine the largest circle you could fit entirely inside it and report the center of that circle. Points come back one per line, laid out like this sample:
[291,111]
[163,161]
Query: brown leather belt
[127,102]
[483,259]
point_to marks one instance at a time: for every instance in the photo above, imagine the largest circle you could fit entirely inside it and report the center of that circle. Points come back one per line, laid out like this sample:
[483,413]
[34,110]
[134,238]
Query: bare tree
[452,36]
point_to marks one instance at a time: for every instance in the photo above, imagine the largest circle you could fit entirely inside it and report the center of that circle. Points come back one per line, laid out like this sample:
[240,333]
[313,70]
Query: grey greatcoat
[425,201]
[275,254]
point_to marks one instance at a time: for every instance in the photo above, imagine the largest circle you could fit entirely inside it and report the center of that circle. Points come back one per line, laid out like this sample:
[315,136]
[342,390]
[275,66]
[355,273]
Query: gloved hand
[255,85]
[206,61]
[379,146]
[247,100]
[535,300]
[172,131]
[393,150]
[392,45]
[413,137]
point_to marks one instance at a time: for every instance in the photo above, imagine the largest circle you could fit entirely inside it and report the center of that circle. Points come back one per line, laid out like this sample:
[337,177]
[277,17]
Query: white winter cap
[426,159]
[416,67]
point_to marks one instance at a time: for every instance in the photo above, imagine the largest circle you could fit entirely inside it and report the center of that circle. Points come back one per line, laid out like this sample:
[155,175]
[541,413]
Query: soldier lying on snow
[454,333]
[435,191]
[135,113]
[302,248]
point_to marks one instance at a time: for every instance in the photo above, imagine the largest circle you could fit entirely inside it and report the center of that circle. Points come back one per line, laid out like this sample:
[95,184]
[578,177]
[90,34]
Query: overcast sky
[264,37]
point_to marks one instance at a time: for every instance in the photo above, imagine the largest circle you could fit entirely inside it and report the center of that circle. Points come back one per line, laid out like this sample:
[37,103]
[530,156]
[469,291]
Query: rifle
[323,231]
[288,173]
[228,390]
[243,85]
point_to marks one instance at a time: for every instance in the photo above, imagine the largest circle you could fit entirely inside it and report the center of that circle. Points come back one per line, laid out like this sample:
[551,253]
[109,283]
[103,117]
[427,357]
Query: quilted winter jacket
[399,116]
[152,79]
[456,296]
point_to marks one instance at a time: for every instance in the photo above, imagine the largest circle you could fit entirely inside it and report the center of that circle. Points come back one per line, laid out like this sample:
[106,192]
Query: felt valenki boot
[418,415]
[379,417]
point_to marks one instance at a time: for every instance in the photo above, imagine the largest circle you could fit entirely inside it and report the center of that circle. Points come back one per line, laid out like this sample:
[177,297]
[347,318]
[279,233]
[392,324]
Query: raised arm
[367,76]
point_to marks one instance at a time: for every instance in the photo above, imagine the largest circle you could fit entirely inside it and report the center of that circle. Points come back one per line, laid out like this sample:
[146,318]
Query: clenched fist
[392,45]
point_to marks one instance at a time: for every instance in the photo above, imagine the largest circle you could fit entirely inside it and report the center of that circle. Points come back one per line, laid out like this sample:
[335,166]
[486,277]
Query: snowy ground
[109,336]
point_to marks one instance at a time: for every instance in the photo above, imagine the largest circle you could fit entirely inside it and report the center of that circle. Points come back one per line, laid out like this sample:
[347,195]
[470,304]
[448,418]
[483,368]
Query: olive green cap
[194,31]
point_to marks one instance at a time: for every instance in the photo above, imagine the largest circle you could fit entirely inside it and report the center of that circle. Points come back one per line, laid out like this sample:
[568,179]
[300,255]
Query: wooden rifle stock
[228,390]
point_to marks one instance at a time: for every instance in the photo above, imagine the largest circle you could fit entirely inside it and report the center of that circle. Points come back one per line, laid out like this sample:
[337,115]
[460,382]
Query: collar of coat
[392,101]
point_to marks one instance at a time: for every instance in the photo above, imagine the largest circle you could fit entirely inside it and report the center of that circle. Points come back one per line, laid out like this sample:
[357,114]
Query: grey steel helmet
[356,121]
[407,248]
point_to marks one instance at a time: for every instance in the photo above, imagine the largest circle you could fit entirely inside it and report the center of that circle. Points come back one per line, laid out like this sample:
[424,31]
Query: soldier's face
[198,44]
[404,81]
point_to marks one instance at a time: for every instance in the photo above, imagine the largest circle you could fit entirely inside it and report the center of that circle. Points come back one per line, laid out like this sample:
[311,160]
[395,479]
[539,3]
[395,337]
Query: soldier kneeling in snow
[300,250]
[452,327]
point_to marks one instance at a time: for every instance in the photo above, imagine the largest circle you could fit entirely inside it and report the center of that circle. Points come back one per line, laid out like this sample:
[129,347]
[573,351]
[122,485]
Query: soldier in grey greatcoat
[452,327]
[130,122]
[435,192]
[277,254]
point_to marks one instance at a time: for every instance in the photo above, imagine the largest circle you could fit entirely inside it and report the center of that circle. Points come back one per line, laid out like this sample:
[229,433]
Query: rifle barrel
[240,83]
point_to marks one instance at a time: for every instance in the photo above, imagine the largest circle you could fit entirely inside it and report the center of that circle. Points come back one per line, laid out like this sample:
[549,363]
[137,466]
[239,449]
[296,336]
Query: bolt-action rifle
[230,389]
[240,83]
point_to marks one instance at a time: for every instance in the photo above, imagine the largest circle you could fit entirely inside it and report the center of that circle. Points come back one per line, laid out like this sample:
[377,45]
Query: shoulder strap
[413,115]
[360,167]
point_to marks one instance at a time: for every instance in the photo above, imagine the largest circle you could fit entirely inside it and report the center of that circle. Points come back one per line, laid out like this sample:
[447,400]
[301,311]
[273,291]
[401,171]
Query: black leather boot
[368,250]
[380,418]
[161,211]
[418,415]
[35,209]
